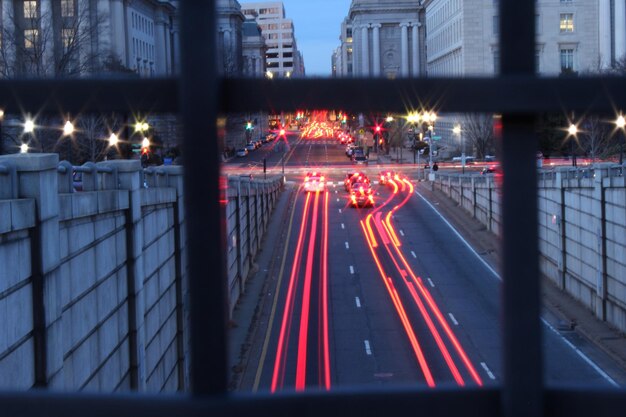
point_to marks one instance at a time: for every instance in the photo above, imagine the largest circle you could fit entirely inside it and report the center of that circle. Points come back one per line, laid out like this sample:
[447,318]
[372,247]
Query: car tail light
[371,198]
[353,199]
[306,179]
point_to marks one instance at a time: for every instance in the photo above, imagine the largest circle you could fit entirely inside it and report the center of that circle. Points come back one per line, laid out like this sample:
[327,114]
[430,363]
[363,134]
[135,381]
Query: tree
[38,47]
[478,131]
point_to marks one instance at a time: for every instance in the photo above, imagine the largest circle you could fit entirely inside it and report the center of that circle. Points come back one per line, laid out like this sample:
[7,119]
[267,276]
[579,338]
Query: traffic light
[377,129]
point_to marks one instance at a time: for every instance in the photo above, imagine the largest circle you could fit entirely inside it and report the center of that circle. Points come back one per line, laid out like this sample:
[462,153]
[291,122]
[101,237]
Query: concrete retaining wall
[582,230]
[93,284]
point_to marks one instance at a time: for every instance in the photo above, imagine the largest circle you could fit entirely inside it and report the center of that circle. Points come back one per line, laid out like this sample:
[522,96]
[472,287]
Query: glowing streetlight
[433,117]
[572,130]
[288,74]
[68,128]
[456,130]
[389,119]
[24,148]
[621,122]
[426,117]
[145,143]
[113,140]
[269,74]
[29,126]
[1,114]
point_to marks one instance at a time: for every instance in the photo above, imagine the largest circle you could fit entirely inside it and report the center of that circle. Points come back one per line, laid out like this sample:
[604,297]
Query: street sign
[436,137]
[361,131]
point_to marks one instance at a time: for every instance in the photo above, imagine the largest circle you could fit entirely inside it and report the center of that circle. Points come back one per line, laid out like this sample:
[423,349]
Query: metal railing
[200,94]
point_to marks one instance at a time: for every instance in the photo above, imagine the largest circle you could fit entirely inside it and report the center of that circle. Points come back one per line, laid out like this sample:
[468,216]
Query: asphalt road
[383,295]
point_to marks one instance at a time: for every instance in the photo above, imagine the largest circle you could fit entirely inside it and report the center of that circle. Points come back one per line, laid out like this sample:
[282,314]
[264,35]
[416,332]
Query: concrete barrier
[582,230]
[93,284]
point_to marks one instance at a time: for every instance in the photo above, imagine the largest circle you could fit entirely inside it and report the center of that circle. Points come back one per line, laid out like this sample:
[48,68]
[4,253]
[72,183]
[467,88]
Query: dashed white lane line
[486,368]
[414,255]
[401,232]
[338,200]
[358,302]
[368,349]
[343,226]
[347,245]
[430,281]
[351,269]
[456,323]
[339,210]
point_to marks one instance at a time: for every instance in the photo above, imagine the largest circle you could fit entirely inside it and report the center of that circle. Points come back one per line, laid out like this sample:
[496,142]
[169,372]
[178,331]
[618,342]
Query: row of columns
[605,30]
[252,65]
[404,48]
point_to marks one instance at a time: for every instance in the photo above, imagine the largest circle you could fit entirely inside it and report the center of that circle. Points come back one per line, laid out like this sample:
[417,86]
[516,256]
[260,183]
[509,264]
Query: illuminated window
[67,8]
[567,22]
[30,38]
[30,9]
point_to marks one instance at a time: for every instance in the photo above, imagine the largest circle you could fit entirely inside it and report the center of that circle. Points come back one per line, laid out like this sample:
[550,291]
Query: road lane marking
[430,281]
[495,274]
[401,232]
[368,349]
[339,210]
[347,245]
[351,269]
[486,368]
[414,255]
[338,200]
[343,226]
[456,323]
[357,301]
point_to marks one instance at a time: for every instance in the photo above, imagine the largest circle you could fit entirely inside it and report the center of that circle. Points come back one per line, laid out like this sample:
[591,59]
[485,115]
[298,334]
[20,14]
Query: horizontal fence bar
[440,402]
[558,402]
[156,95]
[513,94]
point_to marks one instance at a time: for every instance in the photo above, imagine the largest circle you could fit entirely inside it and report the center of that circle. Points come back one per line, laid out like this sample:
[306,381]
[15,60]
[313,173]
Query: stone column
[344,60]
[365,55]
[376,48]
[404,49]
[159,45]
[415,58]
[605,33]
[118,40]
[620,29]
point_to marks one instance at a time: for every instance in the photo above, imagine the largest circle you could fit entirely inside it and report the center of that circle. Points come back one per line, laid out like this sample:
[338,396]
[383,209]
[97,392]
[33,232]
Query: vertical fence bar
[523,377]
[207,286]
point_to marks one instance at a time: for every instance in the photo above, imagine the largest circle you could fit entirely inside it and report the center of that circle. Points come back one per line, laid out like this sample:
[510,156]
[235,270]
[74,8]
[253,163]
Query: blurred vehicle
[355,177]
[361,195]
[360,159]
[241,152]
[385,176]
[488,170]
[250,147]
[314,181]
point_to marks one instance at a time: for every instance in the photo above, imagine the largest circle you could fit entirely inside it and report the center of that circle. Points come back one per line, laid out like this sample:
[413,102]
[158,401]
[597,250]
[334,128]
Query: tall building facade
[344,66]
[283,58]
[387,38]
[49,38]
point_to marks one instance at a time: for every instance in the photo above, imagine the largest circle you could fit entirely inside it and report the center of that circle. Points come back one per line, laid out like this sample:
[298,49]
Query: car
[488,170]
[241,152]
[385,176]
[250,147]
[361,195]
[314,181]
[355,177]
[360,159]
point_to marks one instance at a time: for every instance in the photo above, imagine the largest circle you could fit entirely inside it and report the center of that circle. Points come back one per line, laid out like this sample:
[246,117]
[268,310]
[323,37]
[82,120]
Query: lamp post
[572,130]
[457,131]
[1,139]
[621,122]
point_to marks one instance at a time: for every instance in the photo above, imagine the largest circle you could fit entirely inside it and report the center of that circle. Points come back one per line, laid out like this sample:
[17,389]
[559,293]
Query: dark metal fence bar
[506,94]
[207,287]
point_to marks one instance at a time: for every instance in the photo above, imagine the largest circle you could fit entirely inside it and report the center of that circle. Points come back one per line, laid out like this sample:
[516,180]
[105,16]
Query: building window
[567,22]
[348,32]
[67,36]
[31,37]
[67,8]
[567,60]
[30,9]
[496,24]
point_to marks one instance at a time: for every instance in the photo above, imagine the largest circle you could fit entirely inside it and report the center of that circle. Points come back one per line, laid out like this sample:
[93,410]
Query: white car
[314,181]
[242,152]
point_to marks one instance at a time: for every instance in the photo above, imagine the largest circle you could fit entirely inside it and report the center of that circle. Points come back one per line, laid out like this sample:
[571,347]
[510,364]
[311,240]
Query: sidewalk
[567,314]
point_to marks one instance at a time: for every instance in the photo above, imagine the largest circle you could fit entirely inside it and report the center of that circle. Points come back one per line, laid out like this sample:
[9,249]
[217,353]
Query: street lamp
[68,128]
[29,126]
[1,140]
[145,143]
[113,140]
[572,131]
[621,122]
[457,131]
[24,148]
